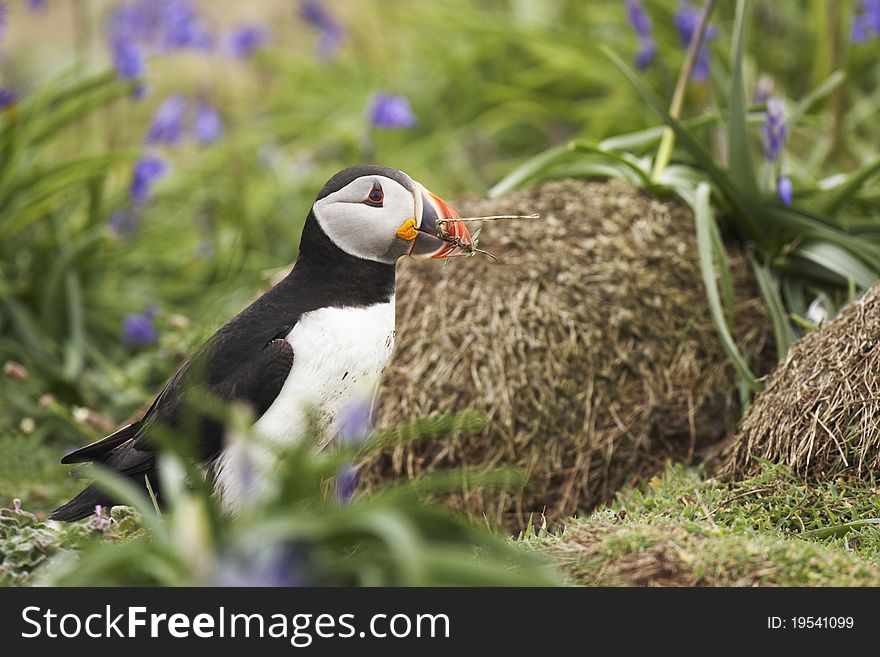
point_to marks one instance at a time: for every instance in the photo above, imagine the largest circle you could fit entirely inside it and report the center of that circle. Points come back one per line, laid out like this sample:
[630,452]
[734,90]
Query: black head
[381,214]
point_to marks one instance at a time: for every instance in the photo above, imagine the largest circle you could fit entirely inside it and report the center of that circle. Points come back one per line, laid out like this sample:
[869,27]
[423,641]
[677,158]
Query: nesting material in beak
[441,235]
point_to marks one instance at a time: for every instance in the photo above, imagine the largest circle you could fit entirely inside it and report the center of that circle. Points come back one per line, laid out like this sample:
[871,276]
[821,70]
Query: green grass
[685,529]
[30,471]
[678,529]
[297,531]
[493,84]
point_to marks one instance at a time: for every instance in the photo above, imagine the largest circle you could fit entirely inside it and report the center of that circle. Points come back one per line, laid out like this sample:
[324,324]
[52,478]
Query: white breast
[339,355]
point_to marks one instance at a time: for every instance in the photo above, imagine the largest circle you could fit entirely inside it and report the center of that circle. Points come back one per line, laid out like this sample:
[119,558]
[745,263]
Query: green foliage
[24,544]
[492,83]
[824,244]
[771,529]
[297,532]
[28,545]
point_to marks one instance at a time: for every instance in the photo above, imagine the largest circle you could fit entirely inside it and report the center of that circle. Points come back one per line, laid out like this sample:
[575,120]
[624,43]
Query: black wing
[256,381]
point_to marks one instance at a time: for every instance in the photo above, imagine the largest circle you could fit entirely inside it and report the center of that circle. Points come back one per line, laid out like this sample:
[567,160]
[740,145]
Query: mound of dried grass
[820,411]
[589,346]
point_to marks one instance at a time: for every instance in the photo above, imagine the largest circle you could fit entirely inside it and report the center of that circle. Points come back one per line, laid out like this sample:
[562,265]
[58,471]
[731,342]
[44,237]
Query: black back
[246,360]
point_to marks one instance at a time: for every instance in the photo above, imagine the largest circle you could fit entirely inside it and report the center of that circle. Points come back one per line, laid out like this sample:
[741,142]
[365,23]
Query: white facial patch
[363,230]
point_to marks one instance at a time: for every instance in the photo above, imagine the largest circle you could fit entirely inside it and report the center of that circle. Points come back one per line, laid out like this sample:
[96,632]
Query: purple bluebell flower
[388,111]
[355,426]
[785,190]
[346,484]
[136,27]
[124,222]
[147,170]
[128,59]
[7,97]
[138,329]
[866,22]
[356,423]
[133,21]
[167,124]
[275,565]
[16,506]
[181,26]
[244,40]
[208,125]
[687,21]
[775,130]
[775,134]
[36,5]
[645,55]
[641,23]
[330,31]
[763,89]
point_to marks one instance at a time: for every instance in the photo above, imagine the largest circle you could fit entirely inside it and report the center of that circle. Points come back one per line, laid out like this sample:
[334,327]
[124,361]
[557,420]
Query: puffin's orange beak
[440,235]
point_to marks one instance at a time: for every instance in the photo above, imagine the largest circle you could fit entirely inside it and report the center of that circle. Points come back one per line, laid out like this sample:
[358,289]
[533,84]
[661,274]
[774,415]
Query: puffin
[301,354]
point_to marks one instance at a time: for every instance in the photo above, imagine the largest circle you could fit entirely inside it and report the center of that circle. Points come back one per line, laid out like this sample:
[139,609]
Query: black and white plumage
[314,342]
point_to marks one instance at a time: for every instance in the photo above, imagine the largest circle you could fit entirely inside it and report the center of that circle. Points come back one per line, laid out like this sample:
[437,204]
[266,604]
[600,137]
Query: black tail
[82,506]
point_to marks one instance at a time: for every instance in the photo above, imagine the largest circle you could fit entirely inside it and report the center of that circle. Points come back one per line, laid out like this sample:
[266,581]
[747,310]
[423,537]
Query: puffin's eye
[376,196]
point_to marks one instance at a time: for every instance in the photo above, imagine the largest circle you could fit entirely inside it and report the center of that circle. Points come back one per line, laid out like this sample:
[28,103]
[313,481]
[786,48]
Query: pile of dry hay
[589,346]
[820,410]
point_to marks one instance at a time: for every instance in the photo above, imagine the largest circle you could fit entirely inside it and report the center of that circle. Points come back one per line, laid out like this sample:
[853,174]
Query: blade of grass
[837,531]
[823,89]
[639,139]
[530,169]
[848,190]
[586,147]
[739,152]
[783,333]
[664,152]
[703,217]
[838,260]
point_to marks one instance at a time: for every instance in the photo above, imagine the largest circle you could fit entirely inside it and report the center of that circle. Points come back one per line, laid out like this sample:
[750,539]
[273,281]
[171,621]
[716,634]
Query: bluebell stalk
[687,22]
[775,130]
[775,136]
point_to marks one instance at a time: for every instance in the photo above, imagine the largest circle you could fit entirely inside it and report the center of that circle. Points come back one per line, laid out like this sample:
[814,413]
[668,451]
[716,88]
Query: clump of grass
[589,346]
[683,529]
[820,411]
